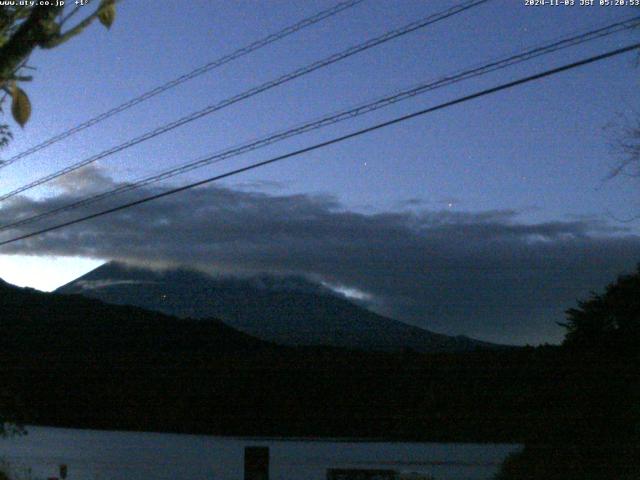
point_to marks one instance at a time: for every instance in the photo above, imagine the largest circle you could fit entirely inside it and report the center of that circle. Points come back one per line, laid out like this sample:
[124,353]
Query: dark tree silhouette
[626,145]
[601,347]
[609,321]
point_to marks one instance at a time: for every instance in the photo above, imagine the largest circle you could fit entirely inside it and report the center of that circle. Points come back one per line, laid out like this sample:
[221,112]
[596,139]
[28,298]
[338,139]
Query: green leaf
[20,106]
[107,13]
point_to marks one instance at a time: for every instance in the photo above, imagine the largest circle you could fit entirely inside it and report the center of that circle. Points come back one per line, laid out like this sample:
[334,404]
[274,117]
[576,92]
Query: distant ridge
[39,322]
[286,310]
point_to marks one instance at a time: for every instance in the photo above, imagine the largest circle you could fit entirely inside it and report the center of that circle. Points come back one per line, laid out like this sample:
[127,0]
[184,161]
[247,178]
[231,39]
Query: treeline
[601,439]
[69,361]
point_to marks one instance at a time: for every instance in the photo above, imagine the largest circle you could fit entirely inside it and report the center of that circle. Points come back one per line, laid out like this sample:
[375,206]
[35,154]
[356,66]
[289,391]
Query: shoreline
[257,438]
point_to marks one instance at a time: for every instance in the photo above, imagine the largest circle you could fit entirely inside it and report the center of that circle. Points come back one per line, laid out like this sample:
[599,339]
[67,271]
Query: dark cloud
[481,274]
[260,185]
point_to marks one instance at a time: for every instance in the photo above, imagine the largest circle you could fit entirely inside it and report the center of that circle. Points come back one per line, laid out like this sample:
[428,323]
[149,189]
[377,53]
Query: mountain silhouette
[58,324]
[286,310]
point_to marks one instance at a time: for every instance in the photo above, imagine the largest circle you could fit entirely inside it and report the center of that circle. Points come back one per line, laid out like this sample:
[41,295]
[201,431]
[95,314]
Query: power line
[333,141]
[263,42]
[567,41]
[411,27]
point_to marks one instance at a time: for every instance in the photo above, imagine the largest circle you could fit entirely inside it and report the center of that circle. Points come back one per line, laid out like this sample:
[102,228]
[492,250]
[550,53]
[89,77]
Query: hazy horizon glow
[44,272]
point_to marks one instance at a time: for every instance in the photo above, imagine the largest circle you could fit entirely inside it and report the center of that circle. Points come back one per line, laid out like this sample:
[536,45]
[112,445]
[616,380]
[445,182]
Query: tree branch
[59,39]
[71,14]
[34,31]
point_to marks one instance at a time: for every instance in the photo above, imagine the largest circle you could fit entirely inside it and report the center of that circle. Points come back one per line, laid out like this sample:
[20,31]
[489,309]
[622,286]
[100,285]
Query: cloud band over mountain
[485,274]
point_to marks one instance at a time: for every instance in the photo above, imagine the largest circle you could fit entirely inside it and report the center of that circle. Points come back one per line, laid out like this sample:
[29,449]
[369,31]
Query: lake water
[113,455]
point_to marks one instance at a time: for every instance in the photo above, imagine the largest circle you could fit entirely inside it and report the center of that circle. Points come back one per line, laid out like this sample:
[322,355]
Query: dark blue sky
[540,147]
[540,150]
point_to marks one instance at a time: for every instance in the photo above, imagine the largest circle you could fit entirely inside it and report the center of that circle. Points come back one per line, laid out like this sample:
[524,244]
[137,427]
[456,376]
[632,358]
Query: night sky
[487,219]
